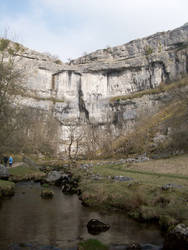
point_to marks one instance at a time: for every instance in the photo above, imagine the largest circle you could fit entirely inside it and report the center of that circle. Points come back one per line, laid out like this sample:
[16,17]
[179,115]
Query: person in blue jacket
[10,161]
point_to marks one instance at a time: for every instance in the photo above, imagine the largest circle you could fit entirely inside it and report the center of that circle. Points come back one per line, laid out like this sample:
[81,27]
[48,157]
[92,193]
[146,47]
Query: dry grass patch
[177,165]
[143,197]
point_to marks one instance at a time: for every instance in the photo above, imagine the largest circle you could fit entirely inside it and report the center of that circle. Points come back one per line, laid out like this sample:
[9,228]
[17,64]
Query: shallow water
[62,221]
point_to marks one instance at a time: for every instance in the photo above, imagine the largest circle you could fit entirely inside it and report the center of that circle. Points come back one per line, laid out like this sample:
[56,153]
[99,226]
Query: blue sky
[69,28]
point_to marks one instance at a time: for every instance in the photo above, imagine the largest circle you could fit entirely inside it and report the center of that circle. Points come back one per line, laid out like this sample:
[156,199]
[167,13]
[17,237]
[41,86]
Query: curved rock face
[81,90]
[139,65]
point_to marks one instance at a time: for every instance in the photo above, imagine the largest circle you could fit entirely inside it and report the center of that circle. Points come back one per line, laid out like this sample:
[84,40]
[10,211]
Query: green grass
[119,168]
[144,177]
[23,170]
[143,197]
[92,244]
[6,184]
[39,98]
[25,173]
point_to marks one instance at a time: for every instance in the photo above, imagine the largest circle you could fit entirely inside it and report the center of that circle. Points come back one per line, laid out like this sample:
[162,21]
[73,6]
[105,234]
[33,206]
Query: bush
[166,222]
[58,62]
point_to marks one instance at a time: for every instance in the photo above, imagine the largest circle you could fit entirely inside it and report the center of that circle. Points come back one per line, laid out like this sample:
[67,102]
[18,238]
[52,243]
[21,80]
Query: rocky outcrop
[81,91]
[53,177]
[141,64]
[177,238]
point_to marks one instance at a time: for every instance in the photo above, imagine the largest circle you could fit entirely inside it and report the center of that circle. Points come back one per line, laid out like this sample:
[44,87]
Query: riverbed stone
[134,246]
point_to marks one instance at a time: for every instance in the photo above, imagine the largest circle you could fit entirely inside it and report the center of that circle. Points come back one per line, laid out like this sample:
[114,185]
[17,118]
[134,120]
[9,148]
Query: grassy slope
[25,173]
[143,197]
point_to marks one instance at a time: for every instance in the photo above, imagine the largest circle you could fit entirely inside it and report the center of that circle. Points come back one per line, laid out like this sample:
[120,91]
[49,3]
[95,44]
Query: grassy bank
[6,188]
[144,197]
[92,244]
[23,173]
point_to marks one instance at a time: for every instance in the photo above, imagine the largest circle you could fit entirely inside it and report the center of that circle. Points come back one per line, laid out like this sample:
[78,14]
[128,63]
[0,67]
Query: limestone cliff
[81,90]
[138,65]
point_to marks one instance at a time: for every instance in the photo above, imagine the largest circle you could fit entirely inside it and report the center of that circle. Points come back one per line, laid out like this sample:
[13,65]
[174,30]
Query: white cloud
[75,26]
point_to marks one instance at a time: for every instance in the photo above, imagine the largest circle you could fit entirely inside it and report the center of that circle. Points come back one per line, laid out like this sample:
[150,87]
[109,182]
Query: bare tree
[11,79]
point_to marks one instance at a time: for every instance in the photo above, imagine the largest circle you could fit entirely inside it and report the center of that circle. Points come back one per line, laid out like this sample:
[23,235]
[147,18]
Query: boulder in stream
[96,226]
[53,177]
[177,239]
[47,193]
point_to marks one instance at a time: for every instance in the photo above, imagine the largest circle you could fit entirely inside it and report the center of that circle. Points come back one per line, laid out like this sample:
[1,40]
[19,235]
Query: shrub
[166,222]
[58,62]
[148,50]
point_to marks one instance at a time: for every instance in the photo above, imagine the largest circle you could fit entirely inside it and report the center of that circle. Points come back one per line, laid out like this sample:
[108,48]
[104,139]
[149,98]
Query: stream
[62,221]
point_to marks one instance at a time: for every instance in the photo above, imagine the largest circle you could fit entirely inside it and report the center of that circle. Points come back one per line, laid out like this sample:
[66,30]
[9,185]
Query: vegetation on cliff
[160,89]
[22,129]
[162,132]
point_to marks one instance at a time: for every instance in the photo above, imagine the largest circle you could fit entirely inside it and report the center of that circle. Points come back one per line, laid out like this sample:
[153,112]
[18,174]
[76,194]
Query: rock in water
[47,194]
[177,239]
[96,227]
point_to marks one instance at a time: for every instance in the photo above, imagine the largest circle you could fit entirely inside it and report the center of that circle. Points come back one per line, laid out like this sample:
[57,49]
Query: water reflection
[62,221]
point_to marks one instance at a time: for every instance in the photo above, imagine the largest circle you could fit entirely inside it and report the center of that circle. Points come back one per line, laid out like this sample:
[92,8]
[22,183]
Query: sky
[71,28]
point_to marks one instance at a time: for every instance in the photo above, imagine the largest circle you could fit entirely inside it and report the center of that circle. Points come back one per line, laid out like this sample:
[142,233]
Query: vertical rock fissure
[186,63]
[81,103]
[150,71]
[165,76]
[69,77]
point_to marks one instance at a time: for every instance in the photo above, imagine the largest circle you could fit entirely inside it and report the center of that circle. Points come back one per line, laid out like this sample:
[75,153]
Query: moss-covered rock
[7,188]
[47,193]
